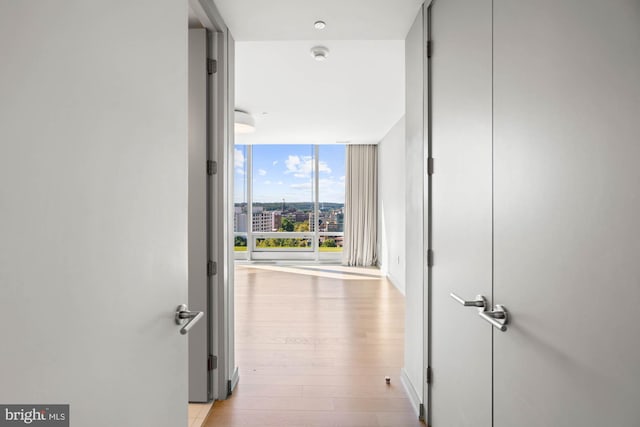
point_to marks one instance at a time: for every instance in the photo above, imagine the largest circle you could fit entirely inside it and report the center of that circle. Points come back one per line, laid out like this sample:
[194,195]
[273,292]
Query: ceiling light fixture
[319,53]
[243,122]
[319,25]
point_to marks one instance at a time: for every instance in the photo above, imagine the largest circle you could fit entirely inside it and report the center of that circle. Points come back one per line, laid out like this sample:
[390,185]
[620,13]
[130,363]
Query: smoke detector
[319,53]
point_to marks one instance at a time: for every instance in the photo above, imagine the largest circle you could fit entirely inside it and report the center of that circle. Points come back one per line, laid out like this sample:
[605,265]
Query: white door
[563,81]
[93,209]
[567,210]
[460,89]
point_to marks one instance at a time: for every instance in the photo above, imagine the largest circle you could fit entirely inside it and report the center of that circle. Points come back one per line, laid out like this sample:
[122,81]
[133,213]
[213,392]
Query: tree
[287,225]
[240,241]
[302,226]
[329,243]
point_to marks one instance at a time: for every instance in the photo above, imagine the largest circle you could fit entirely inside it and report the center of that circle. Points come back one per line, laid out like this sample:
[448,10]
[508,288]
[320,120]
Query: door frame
[427,217]
[220,141]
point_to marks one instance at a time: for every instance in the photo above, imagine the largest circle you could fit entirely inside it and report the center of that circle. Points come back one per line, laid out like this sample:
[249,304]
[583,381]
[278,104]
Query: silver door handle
[480,301]
[183,313]
[498,317]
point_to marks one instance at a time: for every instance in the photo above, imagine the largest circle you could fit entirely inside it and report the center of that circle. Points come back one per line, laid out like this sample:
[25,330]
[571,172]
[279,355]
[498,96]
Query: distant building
[312,222]
[267,221]
[334,226]
[240,222]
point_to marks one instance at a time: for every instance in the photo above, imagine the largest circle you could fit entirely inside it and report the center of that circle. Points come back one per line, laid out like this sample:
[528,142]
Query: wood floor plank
[246,418]
[314,351]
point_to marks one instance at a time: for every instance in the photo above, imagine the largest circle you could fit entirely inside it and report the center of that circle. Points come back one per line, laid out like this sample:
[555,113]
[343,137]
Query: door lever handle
[480,301]
[183,313]
[498,317]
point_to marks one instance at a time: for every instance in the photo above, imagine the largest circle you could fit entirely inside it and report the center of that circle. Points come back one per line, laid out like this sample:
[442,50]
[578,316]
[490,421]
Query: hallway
[314,345]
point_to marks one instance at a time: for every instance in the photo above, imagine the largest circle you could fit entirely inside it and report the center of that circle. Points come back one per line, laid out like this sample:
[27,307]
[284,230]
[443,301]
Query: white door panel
[93,209]
[461,139]
[567,235]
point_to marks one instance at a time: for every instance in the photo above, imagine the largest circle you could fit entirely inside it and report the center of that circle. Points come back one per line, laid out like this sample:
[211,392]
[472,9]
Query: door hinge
[212,167]
[212,66]
[212,268]
[212,362]
[430,166]
[428,375]
[429,48]
[430,258]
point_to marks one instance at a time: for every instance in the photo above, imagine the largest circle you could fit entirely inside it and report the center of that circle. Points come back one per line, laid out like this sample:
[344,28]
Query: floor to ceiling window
[289,201]
[240,198]
[331,198]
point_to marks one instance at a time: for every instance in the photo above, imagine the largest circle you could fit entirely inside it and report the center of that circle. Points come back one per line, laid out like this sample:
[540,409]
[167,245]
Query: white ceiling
[356,95]
[252,20]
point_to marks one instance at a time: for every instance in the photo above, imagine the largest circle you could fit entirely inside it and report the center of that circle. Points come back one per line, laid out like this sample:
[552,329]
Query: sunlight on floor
[321,270]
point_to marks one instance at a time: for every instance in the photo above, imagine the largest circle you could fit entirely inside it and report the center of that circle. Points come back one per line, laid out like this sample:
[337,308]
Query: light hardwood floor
[313,347]
[197,413]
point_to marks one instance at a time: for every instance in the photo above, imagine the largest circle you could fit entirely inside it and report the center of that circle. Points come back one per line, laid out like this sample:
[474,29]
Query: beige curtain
[361,206]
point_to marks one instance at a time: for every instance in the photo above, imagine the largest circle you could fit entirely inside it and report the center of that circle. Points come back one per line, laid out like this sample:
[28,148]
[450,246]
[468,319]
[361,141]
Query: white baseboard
[394,282]
[234,381]
[412,394]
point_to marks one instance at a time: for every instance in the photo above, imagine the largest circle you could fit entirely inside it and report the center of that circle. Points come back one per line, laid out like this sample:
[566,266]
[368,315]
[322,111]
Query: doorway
[212,372]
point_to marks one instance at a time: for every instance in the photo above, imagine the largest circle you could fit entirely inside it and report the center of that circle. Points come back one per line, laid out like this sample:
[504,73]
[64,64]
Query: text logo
[34,415]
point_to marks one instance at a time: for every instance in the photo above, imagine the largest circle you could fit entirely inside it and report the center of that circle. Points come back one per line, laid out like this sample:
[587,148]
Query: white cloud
[262,172]
[324,167]
[301,167]
[331,190]
[304,185]
[238,159]
[275,162]
[280,182]
[267,182]
[292,163]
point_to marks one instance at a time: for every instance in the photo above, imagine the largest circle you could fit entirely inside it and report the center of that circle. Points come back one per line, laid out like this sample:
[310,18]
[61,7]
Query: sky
[286,172]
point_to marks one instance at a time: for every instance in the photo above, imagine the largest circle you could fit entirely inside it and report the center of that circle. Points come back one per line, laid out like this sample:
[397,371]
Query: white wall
[414,215]
[391,205]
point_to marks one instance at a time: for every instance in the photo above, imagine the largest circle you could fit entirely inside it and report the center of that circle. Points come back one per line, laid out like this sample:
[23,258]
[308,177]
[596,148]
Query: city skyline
[286,172]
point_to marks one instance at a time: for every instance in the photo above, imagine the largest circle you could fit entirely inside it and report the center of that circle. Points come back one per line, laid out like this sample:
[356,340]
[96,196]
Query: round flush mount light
[319,53]
[319,25]
[243,122]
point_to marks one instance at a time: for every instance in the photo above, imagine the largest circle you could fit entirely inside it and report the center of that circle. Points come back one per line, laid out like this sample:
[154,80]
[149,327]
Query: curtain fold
[361,206]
